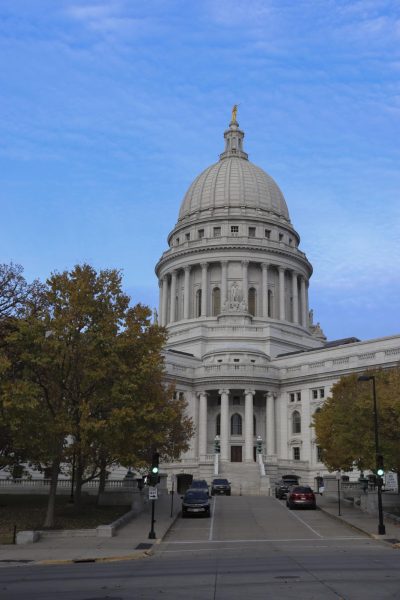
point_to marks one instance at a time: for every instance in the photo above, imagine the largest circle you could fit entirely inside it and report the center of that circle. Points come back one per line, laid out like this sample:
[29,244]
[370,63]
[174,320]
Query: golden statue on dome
[234,113]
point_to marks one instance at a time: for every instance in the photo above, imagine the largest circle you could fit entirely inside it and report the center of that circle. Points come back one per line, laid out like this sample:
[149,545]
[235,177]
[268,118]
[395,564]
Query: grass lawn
[28,512]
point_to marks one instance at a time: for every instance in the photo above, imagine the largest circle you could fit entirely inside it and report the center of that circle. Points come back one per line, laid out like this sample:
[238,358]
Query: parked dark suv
[220,486]
[195,502]
[283,486]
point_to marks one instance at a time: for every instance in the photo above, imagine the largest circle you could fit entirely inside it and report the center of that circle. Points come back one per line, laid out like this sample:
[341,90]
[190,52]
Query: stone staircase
[245,478]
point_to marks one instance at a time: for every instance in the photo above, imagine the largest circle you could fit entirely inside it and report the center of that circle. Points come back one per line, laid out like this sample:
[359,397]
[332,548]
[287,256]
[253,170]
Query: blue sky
[110,109]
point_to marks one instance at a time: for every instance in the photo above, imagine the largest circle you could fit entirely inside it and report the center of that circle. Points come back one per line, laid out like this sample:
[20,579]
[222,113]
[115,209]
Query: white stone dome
[234,182]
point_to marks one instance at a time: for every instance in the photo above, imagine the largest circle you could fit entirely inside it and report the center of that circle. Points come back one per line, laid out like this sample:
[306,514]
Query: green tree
[345,424]
[83,377]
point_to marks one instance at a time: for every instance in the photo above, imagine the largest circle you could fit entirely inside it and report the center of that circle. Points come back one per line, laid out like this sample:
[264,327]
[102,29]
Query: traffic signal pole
[152,533]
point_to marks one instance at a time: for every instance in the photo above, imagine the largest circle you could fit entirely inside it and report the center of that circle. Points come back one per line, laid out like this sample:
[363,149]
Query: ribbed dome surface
[234,182]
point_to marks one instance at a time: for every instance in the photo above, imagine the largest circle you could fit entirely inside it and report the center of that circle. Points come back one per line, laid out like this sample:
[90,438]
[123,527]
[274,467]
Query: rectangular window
[292,397]
[280,237]
[177,241]
[319,454]
[252,232]
[217,231]
[296,453]
[267,233]
[200,233]
[187,236]
[315,394]
[298,396]
[322,393]
[234,228]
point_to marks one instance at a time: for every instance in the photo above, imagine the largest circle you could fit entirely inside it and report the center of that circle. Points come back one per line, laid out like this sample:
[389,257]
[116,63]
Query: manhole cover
[143,546]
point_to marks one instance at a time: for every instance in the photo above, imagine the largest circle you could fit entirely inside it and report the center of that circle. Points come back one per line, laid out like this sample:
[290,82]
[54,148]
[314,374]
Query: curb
[373,536]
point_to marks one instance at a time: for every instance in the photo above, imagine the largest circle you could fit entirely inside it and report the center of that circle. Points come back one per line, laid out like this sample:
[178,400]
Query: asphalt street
[250,548]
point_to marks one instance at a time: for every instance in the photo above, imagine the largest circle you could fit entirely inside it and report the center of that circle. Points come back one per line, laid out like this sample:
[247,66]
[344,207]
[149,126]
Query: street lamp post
[338,476]
[381,526]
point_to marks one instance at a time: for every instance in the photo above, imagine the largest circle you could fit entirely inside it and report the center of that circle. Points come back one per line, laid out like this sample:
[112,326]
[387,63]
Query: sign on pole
[153,493]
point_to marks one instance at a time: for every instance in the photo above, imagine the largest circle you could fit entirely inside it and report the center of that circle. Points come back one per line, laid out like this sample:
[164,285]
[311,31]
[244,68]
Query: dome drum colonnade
[180,302]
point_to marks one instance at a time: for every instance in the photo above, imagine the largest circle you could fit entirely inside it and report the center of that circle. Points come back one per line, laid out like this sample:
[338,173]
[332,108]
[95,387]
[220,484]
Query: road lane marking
[331,539]
[306,524]
[210,537]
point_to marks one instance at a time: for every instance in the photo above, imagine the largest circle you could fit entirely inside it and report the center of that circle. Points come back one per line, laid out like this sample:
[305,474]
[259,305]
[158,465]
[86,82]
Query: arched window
[270,303]
[252,301]
[296,422]
[236,424]
[218,425]
[216,301]
[198,303]
[254,425]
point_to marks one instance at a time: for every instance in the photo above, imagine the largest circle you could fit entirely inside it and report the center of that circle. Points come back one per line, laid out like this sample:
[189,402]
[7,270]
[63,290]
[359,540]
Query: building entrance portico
[236,417]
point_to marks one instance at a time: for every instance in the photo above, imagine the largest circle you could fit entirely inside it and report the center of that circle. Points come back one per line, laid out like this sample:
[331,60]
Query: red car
[301,496]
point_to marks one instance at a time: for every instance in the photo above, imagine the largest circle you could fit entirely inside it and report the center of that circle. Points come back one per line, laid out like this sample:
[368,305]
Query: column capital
[264,266]
[270,395]
[224,263]
[204,265]
[281,269]
[202,394]
[224,391]
[174,272]
[252,392]
[245,262]
[165,277]
[187,269]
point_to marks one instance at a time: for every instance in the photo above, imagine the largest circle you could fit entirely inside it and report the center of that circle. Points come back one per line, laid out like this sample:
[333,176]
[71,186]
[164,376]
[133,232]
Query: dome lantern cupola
[233,140]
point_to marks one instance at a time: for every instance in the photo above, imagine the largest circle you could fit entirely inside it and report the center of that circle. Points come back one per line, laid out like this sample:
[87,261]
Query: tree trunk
[78,482]
[55,469]
[103,477]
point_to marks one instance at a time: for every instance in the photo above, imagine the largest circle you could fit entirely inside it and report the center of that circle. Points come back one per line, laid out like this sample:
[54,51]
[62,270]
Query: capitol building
[242,345]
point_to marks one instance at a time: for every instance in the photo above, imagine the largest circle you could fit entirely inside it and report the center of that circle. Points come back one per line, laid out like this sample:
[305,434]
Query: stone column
[224,433]
[248,426]
[202,424]
[245,282]
[186,293]
[204,289]
[281,293]
[270,422]
[224,282]
[173,297]
[264,267]
[160,295]
[295,296]
[304,313]
[165,301]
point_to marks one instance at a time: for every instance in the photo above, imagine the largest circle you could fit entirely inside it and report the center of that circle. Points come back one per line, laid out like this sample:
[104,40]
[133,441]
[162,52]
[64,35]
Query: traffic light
[154,469]
[380,470]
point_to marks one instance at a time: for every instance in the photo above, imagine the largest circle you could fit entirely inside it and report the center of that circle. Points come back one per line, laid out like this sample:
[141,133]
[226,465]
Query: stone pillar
[281,293]
[245,282]
[264,267]
[165,301]
[304,313]
[295,296]
[204,289]
[202,424]
[160,296]
[248,426]
[186,293]
[270,422]
[224,282]
[224,433]
[173,297]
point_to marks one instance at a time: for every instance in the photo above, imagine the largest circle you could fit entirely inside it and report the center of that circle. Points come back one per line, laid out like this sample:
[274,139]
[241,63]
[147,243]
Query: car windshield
[195,495]
[302,490]
[220,482]
[199,483]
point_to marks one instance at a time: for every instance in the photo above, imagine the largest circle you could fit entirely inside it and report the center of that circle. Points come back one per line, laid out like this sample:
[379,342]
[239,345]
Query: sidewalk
[130,542]
[359,520]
